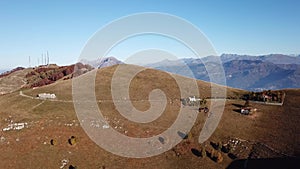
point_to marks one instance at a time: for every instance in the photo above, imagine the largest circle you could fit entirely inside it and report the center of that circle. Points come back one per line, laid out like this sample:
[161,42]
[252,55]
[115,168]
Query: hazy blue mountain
[243,71]
[257,74]
[273,58]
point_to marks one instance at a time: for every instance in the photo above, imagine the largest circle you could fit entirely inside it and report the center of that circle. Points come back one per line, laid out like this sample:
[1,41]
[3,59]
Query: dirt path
[53,100]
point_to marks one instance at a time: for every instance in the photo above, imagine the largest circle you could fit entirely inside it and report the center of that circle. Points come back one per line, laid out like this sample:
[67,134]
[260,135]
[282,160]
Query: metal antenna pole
[47,58]
[42,59]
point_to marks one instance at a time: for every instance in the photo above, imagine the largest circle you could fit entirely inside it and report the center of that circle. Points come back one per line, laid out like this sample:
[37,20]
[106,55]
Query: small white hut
[46,96]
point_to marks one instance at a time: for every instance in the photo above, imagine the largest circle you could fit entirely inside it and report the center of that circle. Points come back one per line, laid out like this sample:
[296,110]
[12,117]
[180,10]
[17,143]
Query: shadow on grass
[237,110]
[182,135]
[196,152]
[238,105]
[274,163]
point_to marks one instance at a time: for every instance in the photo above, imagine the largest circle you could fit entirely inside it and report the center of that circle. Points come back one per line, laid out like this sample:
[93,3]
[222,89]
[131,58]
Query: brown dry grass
[14,81]
[274,125]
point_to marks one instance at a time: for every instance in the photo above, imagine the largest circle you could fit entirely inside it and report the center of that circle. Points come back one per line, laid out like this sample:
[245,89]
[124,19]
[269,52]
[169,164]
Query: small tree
[246,103]
[203,102]
[279,95]
[53,142]
[203,152]
[212,153]
[190,136]
[72,140]
[220,145]
[219,157]
[72,167]
[226,148]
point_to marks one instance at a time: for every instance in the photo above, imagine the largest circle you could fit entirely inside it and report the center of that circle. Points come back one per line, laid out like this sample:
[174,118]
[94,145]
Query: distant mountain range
[254,73]
[273,58]
[275,71]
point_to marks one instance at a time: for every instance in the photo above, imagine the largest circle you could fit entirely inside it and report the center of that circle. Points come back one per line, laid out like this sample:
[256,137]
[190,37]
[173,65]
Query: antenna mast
[42,59]
[29,61]
[47,58]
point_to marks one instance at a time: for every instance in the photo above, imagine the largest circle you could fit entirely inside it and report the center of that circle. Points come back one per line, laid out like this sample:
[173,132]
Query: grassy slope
[275,126]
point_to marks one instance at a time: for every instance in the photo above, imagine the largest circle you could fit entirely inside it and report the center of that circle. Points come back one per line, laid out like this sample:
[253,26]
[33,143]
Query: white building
[46,96]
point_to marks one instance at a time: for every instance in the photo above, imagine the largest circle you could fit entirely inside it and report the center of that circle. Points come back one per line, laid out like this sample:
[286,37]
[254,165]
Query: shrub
[72,140]
[216,156]
[220,145]
[72,167]
[203,152]
[246,103]
[190,135]
[196,152]
[226,148]
[211,153]
[53,142]
[214,145]
[219,157]
[42,75]
[232,156]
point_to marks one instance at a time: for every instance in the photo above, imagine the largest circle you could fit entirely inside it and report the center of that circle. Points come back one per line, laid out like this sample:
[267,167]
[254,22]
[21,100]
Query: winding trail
[99,101]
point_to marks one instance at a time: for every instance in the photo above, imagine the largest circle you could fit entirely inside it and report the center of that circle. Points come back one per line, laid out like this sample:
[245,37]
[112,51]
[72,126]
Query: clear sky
[31,27]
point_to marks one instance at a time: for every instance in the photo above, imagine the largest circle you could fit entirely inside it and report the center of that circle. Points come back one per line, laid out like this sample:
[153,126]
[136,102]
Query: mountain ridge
[102,62]
[254,73]
[274,71]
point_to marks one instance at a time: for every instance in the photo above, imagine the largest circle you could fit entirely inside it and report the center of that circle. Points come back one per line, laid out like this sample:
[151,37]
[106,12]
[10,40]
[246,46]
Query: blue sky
[30,28]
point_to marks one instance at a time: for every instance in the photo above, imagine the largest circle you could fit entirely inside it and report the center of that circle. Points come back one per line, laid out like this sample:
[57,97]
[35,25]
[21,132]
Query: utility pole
[42,59]
[47,58]
[29,61]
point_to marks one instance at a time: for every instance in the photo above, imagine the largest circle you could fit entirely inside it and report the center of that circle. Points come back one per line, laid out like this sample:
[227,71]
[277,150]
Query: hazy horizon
[2,70]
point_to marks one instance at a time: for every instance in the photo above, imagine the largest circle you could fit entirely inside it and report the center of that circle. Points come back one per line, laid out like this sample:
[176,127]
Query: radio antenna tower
[42,59]
[29,61]
[47,58]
